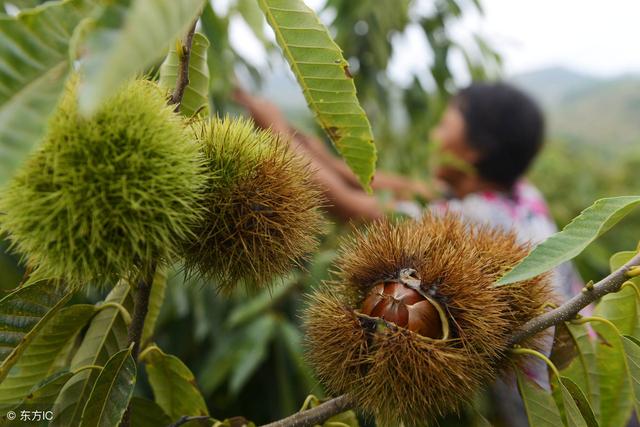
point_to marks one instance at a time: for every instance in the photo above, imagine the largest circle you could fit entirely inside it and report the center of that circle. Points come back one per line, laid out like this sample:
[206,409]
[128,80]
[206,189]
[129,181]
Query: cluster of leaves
[84,370]
[75,358]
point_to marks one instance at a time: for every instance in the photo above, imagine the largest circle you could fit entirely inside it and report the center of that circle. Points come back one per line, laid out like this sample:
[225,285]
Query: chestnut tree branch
[570,309]
[316,415]
[567,311]
[140,310]
[184,55]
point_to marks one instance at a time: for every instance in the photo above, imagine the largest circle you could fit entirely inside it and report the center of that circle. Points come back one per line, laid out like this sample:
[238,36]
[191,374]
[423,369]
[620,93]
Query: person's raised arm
[267,115]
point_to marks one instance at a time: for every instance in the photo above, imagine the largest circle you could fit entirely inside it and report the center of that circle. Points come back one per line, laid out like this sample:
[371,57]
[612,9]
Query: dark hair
[505,125]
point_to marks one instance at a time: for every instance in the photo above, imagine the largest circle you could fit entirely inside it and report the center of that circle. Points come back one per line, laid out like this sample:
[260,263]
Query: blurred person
[487,138]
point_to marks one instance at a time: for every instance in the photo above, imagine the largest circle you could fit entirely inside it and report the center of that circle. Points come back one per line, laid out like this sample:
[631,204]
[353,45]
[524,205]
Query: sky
[596,37]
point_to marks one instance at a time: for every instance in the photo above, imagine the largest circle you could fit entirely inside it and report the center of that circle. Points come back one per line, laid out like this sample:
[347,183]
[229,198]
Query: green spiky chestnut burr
[108,195]
[263,210]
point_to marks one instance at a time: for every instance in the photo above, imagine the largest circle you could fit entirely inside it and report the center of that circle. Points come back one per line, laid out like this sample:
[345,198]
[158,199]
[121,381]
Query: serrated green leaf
[196,94]
[39,356]
[632,352]
[616,394]
[158,290]
[579,398]
[583,370]
[111,392]
[573,239]
[174,386]
[253,352]
[24,312]
[106,335]
[34,50]
[323,74]
[127,37]
[539,405]
[147,413]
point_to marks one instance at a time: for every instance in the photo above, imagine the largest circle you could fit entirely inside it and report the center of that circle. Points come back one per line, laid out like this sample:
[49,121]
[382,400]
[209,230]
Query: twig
[140,309]
[567,311]
[315,415]
[185,419]
[183,68]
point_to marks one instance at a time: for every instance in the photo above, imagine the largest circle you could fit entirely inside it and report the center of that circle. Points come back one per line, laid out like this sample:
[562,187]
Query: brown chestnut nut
[397,303]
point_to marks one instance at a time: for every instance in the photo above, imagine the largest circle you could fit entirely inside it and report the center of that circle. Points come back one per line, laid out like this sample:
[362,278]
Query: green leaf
[322,72]
[158,290]
[38,358]
[196,94]
[253,352]
[34,49]
[42,395]
[568,243]
[632,353]
[583,370]
[621,308]
[571,390]
[24,313]
[127,37]
[221,360]
[291,337]
[111,392]
[539,405]
[173,384]
[147,413]
[106,335]
[572,415]
[253,17]
[616,394]
[257,305]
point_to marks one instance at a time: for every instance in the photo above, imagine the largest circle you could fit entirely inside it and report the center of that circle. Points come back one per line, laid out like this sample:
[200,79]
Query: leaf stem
[123,311]
[602,320]
[539,356]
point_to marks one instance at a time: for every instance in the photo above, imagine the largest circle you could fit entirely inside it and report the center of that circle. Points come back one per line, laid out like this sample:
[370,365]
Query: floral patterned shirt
[524,211]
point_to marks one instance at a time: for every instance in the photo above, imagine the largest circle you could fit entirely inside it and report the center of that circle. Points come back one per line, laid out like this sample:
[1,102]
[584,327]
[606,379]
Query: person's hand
[264,113]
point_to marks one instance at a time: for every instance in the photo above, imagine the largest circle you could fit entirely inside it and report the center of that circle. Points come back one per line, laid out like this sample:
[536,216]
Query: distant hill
[550,86]
[586,109]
